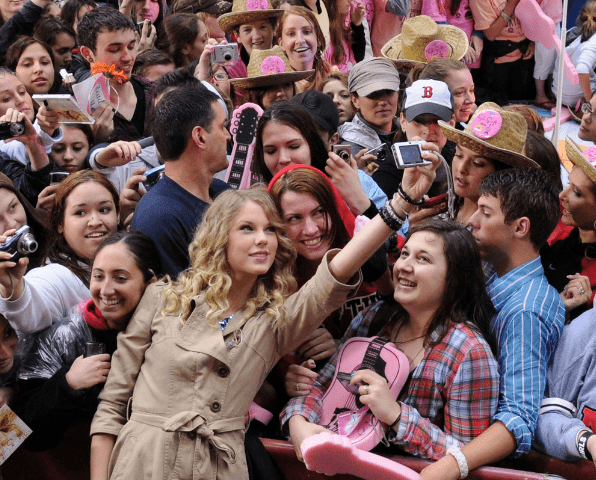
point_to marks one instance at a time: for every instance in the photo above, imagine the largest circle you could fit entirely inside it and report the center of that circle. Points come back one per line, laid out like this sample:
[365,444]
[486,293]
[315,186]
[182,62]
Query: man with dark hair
[190,134]
[518,208]
[105,35]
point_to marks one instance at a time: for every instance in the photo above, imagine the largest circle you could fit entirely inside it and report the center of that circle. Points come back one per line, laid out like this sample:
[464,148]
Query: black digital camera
[21,244]
[9,129]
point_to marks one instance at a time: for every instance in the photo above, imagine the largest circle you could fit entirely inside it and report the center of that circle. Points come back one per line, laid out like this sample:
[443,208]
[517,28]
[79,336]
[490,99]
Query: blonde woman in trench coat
[175,402]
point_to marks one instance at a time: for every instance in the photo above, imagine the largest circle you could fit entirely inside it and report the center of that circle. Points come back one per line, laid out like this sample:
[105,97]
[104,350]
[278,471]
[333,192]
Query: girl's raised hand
[358,12]
[47,120]
[11,273]
[29,136]
[417,180]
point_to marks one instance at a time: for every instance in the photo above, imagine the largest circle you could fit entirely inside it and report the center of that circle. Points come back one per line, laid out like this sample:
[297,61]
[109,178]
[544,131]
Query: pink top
[439,11]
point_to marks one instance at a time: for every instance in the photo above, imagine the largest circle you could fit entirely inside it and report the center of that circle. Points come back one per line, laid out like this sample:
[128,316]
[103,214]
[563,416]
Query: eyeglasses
[221,77]
[587,108]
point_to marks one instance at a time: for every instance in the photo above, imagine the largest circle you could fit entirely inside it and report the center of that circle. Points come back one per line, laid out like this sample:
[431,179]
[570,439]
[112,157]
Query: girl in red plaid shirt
[440,320]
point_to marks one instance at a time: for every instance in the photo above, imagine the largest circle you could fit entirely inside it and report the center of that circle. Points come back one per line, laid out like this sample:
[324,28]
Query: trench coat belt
[194,422]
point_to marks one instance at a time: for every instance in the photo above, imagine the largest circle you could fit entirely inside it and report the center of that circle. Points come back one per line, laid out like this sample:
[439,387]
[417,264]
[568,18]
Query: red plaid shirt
[451,396]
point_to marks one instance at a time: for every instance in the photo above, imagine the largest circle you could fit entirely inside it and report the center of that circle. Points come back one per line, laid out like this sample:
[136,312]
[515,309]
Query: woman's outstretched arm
[416,182]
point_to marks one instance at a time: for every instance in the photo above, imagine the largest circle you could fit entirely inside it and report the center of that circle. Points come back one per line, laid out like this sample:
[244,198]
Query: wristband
[407,198]
[582,442]
[390,218]
[459,456]
[392,426]
[506,17]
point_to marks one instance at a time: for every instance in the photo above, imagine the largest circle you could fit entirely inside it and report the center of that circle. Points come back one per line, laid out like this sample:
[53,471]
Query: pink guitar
[244,131]
[540,28]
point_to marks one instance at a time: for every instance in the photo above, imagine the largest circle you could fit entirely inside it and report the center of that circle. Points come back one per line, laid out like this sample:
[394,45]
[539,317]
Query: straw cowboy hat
[268,68]
[494,133]
[585,160]
[422,40]
[247,11]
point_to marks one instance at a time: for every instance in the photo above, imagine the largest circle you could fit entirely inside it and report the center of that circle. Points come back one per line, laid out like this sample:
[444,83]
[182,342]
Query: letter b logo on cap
[428,92]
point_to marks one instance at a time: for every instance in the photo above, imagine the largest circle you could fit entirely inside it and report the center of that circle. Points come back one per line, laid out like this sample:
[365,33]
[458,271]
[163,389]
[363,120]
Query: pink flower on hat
[257,5]
[273,64]
[590,154]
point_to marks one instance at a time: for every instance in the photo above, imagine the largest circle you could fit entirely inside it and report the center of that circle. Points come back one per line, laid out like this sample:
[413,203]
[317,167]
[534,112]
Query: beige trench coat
[190,387]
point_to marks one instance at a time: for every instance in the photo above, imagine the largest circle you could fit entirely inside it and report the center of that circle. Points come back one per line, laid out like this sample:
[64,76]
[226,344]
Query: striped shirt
[529,321]
[450,399]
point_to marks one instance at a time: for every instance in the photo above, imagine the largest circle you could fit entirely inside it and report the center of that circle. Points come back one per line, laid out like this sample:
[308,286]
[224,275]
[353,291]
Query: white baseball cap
[428,96]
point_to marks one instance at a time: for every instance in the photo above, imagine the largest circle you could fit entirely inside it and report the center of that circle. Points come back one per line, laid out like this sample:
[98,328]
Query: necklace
[410,340]
[410,360]
[224,323]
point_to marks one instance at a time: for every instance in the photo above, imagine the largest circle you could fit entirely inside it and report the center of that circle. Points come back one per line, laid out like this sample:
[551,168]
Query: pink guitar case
[244,130]
[343,413]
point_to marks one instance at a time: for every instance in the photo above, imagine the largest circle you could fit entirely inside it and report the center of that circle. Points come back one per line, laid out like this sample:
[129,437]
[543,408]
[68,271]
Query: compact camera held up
[9,129]
[21,244]
[225,52]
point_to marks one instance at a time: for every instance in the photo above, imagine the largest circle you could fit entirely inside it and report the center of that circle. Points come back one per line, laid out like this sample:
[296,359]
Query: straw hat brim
[393,48]
[270,80]
[485,149]
[575,156]
[228,21]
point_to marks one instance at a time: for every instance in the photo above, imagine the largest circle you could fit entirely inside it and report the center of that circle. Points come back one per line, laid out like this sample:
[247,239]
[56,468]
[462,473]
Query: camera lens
[27,244]
[17,128]
[382,154]
[227,56]
[344,155]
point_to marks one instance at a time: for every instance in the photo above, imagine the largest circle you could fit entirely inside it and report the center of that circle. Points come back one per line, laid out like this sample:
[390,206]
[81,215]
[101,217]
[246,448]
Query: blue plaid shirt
[529,321]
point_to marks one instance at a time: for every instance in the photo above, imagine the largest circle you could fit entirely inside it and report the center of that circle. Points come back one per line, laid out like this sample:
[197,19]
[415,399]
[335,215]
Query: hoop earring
[319,54]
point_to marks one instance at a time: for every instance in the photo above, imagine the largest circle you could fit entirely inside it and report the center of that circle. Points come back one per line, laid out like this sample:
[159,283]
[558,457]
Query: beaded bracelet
[407,198]
[393,222]
[395,195]
[393,214]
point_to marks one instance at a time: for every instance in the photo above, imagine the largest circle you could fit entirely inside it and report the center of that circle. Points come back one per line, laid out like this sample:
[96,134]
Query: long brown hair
[307,181]
[587,17]
[59,251]
[338,32]
[321,66]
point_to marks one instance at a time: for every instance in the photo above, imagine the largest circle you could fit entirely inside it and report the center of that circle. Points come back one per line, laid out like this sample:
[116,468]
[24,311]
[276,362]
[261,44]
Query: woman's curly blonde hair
[210,272]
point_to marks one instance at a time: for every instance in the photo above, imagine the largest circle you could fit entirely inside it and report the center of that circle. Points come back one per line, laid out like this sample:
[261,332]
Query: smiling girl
[301,38]
[59,387]
[440,405]
[85,211]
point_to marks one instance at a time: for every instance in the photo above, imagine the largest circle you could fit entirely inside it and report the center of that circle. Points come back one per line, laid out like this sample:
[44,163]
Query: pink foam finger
[331,454]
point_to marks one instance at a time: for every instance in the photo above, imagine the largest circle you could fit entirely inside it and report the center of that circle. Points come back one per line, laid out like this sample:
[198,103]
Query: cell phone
[153,177]
[409,154]
[225,52]
[380,152]
[343,151]
[57,177]
[438,200]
